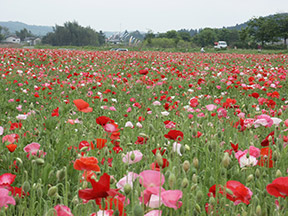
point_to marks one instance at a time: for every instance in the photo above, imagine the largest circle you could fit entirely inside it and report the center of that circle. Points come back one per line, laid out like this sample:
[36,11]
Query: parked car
[220,45]
[118,49]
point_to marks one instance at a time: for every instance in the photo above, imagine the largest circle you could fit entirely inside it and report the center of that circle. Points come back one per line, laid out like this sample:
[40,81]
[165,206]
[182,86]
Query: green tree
[148,37]
[206,37]
[185,36]
[282,22]
[263,29]
[73,34]
[22,34]
[1,35]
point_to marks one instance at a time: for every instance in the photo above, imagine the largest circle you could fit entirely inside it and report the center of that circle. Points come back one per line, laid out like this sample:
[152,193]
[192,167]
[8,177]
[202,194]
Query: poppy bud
[83,149]
[185,182]
[138,211]
[51,174]
[187,147]
[132,156]
[19,161]
[212,200]
[171,180]
[244,213]
[226,160]
[258,210]
[127,189]
[278,174]
[52,191]
[270,138]
[159,159]
[182,149]
[40,161]
[144,135]
[250,178]
[194,178]
[275,155]
[75,200]
[193,187]
[26,186]
[257,173]
[195,162]
[199,196]
[39,192]
[186,165]
[60,174]
[106,151]
[198,208]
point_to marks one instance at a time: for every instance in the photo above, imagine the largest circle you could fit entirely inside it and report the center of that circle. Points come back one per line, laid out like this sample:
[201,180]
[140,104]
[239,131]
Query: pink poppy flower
[170,198]
[136,154]
[33,148]
[151,178]
[286,122]
[110,128]
[150,197]
[251,161]
[103,213]
[222,112]
[263,120]
[1,130]
[9,138]
[211,107]
[129,124]
[7,179]
[63,210]
[129,179]
[5,199]
[154,213]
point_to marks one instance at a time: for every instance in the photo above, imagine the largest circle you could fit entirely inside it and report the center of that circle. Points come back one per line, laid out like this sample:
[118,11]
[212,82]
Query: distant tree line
[75,35]
[264,31]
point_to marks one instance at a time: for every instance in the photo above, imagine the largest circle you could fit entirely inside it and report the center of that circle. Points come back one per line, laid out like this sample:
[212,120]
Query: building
[12,39]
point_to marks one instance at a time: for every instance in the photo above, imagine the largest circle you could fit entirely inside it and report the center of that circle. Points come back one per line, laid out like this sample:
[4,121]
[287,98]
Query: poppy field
[142,133]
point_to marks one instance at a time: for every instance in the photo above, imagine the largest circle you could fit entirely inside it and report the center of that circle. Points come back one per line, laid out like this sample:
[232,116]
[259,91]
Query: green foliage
[269,29]
[22,34]
[74,35]
[1,35]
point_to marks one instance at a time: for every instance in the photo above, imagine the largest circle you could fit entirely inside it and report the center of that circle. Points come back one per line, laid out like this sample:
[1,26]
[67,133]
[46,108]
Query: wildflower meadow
[102,133]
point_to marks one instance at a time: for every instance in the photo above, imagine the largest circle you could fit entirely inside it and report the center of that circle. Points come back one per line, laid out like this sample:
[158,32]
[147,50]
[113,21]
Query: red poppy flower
[100,143]
[11,147]
[114,204]
[194,102]
[255,95]
[99,190]
[87,163]
[83,144]
[162,151]
[239,194]
[55,112]
[174,135]
[141,140]
[15,125]
[103,120]
[156,166]
[265,142]
[82,106]
[266,158]
[143,72]
[279,187]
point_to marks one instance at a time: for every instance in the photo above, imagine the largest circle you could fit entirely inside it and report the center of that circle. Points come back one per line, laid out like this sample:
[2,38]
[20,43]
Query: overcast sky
[155,15]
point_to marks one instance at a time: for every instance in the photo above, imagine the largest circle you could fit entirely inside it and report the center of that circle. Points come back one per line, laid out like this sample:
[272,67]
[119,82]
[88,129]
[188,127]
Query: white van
[221,45]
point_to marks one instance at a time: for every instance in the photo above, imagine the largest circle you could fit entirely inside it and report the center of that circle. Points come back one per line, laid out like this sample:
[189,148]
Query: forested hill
[18,26]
